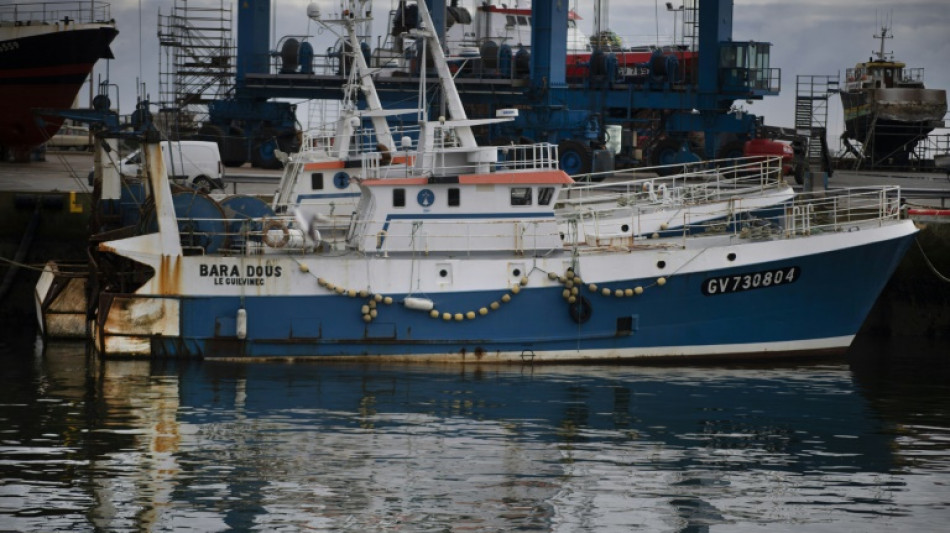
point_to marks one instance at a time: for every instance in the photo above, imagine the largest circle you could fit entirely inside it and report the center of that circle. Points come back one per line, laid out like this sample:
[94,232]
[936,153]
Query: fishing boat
[887,108]
[48,50]
[464,260]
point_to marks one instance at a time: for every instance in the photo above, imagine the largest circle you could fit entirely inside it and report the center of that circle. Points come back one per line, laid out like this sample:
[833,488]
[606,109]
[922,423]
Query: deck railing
[834,211]
[678,184]
[28,14]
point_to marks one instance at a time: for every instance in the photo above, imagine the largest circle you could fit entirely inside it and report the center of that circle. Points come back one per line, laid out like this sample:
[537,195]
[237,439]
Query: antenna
[885,23]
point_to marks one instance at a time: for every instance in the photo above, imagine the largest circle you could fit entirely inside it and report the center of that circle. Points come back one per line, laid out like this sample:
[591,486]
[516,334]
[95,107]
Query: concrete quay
[69,171]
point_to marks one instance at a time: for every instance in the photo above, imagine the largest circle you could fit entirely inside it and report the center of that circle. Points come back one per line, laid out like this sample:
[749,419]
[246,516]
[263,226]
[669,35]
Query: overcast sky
[809,37]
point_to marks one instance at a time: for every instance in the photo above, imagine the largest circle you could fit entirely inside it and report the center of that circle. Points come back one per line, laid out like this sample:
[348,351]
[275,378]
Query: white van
[193,163]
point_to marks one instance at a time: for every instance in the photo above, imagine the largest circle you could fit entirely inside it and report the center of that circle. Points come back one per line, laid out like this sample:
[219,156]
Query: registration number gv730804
[748,282]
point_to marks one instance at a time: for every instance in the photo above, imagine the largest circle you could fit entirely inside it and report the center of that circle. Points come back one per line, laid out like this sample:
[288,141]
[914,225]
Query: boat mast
[449,92]
[349,19]
[881,56]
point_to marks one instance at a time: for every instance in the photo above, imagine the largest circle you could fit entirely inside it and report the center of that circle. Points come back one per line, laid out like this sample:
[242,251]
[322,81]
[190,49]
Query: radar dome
[313,11]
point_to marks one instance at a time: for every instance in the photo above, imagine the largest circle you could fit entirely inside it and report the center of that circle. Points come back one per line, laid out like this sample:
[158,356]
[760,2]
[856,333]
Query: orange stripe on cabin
[515,178]
[401,159]
[323,164]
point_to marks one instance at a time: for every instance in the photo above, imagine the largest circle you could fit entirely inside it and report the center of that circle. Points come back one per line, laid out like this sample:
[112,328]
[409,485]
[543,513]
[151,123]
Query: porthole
[731,256]
[625,228]
[516,272]
[661,264]
[443,273]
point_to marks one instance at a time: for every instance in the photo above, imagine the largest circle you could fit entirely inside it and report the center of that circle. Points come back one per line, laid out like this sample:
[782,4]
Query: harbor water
[860,443]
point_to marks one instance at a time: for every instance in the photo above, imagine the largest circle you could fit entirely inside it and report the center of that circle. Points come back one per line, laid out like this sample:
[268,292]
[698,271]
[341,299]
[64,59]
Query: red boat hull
[45,70]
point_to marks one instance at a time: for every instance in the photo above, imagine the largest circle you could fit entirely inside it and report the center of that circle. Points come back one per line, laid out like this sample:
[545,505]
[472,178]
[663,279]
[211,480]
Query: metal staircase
[811,110]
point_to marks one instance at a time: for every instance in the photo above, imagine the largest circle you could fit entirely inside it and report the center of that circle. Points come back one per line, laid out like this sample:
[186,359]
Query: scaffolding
[812,93]
[196,61]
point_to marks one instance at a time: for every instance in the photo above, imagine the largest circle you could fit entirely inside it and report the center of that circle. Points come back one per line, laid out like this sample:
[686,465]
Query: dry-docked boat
[887,109]
[465,259]
[47,50]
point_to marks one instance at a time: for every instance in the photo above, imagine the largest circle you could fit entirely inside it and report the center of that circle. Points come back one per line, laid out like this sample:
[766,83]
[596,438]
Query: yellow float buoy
[470,315]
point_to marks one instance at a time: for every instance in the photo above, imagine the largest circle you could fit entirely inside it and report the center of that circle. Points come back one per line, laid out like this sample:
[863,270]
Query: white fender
[419,304]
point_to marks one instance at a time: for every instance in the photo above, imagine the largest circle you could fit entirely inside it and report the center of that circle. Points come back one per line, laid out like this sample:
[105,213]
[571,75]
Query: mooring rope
[931,265]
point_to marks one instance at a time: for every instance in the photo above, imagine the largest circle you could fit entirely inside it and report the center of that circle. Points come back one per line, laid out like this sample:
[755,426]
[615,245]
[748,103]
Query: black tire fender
[580,310]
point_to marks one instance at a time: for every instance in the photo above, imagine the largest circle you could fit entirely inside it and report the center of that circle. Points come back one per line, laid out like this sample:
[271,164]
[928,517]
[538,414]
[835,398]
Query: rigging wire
[929,264]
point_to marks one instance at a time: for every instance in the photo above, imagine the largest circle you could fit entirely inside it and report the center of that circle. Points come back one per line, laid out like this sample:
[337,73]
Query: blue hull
[820,300]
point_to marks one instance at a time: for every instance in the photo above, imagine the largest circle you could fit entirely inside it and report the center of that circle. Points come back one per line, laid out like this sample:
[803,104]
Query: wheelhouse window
[316,181]
[454,197]
[510,20]
[399,197]
[545,195]
[521,196]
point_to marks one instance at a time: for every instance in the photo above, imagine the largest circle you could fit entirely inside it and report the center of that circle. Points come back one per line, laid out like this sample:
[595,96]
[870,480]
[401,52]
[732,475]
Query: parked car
[70,137]
[194,163]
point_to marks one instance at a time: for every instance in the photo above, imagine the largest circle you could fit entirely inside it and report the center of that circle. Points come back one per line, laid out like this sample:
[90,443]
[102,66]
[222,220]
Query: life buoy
[276,234]
[580,310]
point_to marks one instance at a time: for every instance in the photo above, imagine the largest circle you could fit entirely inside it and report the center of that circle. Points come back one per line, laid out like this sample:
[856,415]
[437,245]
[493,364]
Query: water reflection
[200,446]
